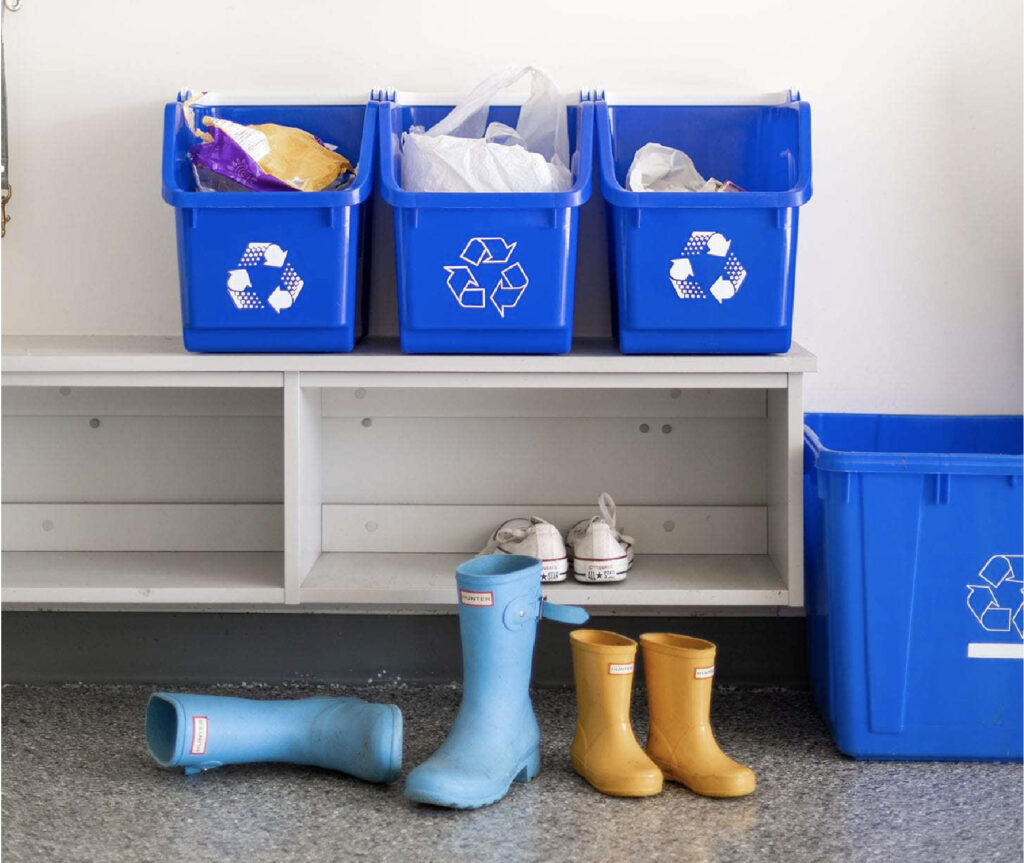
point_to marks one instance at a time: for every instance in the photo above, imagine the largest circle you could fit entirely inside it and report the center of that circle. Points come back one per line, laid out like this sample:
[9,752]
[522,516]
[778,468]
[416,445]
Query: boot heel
[531,768]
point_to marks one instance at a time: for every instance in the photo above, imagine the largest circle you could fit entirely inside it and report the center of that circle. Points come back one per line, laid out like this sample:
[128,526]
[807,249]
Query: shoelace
[606,508]
[505,533]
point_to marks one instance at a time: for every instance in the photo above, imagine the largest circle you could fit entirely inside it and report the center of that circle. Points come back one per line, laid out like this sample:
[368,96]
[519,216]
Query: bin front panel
[715,269]
[486,270]
[268,268]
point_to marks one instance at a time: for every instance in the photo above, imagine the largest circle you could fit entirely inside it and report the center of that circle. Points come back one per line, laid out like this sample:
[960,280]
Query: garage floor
[78,785]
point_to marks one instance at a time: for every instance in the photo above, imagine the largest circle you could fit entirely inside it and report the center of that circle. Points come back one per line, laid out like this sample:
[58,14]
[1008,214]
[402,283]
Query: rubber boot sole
[617,786]
[528,770]
[673,776]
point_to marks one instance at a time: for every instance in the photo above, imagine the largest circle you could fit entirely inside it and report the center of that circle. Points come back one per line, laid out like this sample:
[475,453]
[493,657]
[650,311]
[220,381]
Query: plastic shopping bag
[656,168]
[462,153]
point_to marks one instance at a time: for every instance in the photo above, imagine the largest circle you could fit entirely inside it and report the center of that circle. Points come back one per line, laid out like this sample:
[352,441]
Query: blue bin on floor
[486,273]
[707,272]
[236,249]
[914,572]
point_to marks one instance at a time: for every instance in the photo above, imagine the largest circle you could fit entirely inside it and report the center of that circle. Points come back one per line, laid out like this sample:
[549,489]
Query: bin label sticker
[996,600]
[264,278]
[487,279]
[707,265]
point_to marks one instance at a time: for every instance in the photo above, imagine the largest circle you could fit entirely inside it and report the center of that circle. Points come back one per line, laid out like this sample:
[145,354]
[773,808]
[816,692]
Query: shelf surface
[142,577]
[140,354]
[410,580]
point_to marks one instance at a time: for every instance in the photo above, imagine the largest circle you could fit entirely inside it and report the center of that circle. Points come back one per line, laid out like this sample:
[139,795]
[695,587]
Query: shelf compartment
[142,577]
[414,581]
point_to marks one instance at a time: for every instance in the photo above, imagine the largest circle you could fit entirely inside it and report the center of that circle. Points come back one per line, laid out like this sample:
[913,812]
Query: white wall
[909,281]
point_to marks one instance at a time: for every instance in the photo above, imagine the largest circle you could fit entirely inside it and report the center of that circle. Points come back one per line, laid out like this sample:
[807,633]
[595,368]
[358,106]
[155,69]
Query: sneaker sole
[554,570]
[601,571]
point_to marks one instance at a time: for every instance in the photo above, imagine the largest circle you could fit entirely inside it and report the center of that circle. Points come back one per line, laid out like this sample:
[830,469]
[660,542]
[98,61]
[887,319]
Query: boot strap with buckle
[529,607]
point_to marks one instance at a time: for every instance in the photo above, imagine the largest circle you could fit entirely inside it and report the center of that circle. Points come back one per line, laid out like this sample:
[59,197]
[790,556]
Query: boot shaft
[603,664]
[679,671]
[499,605]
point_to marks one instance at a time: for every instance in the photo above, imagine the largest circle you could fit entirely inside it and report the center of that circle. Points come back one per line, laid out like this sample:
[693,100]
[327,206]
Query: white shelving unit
[138,475]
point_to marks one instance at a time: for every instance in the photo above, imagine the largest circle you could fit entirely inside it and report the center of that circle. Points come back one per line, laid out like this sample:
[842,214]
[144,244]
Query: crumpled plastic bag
[264,157]
[656,168]
[459,154]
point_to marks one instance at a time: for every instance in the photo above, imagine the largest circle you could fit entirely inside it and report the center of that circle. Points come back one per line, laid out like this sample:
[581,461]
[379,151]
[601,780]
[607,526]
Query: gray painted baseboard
[208,647]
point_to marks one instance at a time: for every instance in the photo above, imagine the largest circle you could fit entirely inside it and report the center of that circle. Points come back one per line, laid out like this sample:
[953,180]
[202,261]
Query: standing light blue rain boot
[200,732]
[495,739]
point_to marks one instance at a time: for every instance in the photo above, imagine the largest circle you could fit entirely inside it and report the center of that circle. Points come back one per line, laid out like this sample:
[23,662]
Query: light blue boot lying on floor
[200,732]
[495,739]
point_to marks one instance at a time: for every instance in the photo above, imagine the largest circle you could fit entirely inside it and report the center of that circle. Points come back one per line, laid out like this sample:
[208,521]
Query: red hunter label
[478,598]
[199,735]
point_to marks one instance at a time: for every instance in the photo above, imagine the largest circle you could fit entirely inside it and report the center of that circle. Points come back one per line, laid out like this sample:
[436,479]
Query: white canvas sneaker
[533,537]
[599,551]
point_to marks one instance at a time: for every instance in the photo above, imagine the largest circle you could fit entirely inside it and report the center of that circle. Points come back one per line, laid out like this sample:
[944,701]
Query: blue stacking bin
[235,249]
[914,535]
[487,273]
[706,272]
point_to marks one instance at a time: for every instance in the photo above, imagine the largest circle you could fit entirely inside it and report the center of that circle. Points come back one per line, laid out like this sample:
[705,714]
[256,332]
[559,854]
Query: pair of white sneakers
[599,551]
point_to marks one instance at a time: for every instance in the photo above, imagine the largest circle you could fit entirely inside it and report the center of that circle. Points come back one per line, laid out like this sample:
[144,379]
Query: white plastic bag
[459,154]
[656,168]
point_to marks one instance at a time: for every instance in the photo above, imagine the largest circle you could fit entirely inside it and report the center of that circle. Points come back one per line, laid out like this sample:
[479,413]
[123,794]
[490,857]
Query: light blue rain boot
[200,732]
[495,739]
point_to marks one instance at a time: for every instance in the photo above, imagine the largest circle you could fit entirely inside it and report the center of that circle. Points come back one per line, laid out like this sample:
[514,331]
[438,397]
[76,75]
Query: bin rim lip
[289,99]
[721,98]
[868,461]
[619,196]
[440,99]
[358,192]
[575,196]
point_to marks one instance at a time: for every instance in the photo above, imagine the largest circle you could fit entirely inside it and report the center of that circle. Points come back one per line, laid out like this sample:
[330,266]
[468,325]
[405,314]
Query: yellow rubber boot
[604,751]
[679,671]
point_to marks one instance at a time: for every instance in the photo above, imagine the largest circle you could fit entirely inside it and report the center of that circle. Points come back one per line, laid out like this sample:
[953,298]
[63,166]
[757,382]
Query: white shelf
[142,577]
[119,442]
[410,580]
[162,361]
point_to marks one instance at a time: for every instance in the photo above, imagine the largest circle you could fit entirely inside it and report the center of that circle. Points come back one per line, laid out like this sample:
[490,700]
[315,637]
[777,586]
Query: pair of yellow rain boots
[681,746]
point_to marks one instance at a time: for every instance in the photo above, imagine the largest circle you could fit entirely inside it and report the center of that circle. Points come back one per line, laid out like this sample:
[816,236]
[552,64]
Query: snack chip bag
[264,157]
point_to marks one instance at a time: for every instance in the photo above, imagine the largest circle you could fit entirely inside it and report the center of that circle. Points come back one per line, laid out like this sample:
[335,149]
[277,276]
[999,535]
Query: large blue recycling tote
[490,273]
[707,272]
[272,271]
[914,534]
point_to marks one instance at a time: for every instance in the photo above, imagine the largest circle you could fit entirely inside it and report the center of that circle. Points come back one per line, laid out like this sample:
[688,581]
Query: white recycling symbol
[997,603]
[730,275]
[287,283]
[500,282]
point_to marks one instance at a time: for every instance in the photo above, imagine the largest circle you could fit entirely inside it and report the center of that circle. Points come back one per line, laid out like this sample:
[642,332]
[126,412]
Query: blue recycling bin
[706,272]
[914,536]
[485,273]
[269,272]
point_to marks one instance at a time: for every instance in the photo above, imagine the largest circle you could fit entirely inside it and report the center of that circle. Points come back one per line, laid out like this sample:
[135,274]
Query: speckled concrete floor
[78,785]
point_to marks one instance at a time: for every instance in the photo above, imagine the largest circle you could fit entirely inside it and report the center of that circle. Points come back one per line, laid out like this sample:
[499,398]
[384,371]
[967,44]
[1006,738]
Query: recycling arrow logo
[707,259]
[997,603]
[264,278]
[487,276]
